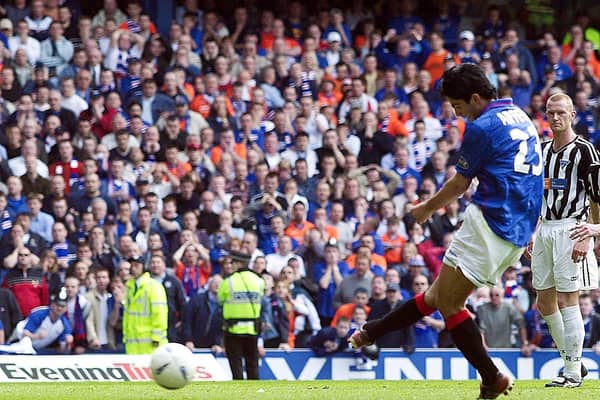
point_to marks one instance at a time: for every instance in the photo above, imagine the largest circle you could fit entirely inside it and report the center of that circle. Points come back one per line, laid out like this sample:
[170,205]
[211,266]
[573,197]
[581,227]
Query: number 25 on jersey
[520,164]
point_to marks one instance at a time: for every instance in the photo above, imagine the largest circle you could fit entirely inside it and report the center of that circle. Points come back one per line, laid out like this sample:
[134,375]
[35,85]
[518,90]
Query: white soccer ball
[172,366]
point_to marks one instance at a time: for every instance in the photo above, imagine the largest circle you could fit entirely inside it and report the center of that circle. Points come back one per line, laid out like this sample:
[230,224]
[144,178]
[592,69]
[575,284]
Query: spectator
[26,281]
[20,237]
[359,300]
[49,325]
[366,247]
[511,44]
[521,86]
[591,322]
[17,11]
[428,328]
[378,285]
[359,97]
[393,242]
[11,87]
[109,11]
[11,313]
[64,250]
[202,320]
[78,309]
[274,319]
[71,100]
[116,308]
[421,147]
[32,181]
[395,60]
[41,222]
[153,103]
[17,202]
[82,201]
[306,318]
[175,296]
[56,51]
[393,299]
[331,340]
[496,319]
[581,73]
[39,23]
[402,168]
[208,220]
[360,278]
[102,253]
[374,143]
[276,261]
[67,166]
[298,225]
[192,266]
[100,336]
[420,111]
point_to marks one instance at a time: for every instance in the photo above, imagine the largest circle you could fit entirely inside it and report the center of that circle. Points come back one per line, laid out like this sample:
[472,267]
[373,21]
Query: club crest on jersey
[564,163]
[462,163]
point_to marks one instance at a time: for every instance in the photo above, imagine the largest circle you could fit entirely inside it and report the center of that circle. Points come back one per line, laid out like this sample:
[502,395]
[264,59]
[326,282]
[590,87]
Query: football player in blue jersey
[501,149]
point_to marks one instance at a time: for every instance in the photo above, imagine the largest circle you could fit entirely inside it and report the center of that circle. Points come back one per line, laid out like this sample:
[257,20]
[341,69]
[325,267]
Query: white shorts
[551,262]
[480,254]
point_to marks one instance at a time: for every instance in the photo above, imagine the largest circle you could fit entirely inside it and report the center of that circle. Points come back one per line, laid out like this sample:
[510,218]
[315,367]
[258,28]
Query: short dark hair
[101,268]
[235,198]
[170,199]
[462,81]
[272,174]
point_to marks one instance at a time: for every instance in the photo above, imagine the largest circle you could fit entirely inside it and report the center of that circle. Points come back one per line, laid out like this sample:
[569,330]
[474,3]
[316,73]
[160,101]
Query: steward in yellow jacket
[145,316]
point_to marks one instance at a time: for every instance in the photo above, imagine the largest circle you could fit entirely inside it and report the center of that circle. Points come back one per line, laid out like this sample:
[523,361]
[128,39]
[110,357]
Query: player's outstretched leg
[452,289]
[467,337]
[405,315]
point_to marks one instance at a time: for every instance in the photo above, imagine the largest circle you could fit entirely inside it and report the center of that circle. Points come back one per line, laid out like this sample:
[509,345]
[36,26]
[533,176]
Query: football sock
[574,336]
[407,314]
[557,330]
[467,337]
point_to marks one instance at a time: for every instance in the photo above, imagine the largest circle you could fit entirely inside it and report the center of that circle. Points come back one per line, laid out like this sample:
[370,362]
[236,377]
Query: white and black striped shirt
[565,175]
[593,181]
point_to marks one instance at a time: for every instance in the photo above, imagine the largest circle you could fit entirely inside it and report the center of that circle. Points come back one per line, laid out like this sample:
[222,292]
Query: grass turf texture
[277,390]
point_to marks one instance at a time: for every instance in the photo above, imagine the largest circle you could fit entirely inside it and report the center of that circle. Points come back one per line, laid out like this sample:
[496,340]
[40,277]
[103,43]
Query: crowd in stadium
[298,132]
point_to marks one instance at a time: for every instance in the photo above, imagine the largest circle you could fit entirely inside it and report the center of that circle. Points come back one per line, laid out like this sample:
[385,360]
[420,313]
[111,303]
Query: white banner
[99,368]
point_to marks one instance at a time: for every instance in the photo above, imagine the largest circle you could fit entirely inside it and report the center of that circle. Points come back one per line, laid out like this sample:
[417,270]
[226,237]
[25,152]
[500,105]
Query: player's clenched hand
[580,249]
[584,231]
[421,212]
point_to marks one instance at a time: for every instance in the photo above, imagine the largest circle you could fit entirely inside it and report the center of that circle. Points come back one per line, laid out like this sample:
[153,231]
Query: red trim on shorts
[422,306]
[456,319]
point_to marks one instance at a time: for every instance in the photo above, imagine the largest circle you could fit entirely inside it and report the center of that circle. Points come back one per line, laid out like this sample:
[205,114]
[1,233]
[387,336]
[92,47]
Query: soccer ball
[172,365]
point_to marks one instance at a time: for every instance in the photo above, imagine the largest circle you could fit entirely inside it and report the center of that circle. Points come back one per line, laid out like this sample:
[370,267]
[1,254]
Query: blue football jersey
[502,150]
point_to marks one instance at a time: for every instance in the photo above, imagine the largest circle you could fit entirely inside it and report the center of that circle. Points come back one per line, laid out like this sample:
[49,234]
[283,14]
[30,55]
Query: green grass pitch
[278,390]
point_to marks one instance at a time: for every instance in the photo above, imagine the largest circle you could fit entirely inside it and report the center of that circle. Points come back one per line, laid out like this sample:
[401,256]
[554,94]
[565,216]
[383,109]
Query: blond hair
[558,97]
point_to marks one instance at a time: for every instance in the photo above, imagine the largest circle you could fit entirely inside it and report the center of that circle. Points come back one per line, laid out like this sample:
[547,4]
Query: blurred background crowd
[298,132]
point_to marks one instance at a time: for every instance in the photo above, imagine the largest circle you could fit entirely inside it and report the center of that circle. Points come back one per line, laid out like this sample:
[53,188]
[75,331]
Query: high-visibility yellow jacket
[145,315]
[240,296]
